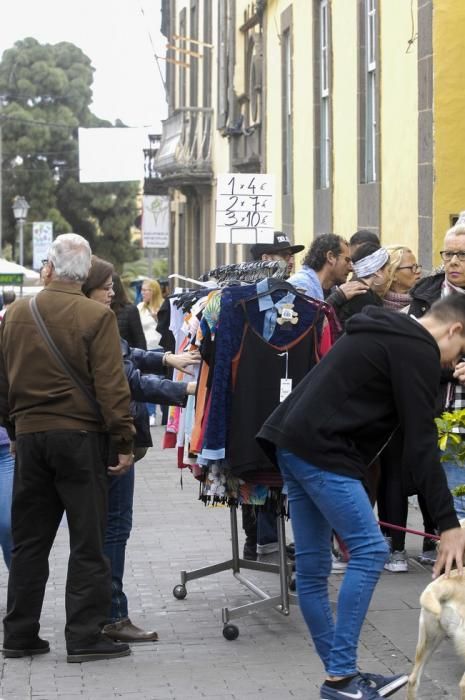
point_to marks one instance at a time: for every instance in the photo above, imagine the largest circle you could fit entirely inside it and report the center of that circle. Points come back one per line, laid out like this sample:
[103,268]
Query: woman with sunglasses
[403,273]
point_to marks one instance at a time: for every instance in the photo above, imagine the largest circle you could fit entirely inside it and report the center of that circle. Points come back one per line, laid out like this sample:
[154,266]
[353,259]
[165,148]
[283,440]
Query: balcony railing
[184,155]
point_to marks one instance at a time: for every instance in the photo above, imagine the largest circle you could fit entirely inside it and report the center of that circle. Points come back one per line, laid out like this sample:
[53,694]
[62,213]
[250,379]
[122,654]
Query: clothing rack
[281,602]
[251,273]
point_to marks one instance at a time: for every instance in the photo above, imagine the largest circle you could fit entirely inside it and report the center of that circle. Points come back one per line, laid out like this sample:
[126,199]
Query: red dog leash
[406,529]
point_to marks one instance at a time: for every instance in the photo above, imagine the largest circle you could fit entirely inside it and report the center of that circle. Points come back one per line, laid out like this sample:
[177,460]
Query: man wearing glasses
[451,280]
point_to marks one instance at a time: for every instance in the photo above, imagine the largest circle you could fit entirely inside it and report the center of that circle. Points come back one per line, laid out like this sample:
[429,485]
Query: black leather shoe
[104,648]
[12,650]
[125,631]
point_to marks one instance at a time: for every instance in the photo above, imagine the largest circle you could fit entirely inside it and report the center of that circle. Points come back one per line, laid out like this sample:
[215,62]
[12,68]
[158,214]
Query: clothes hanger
[189,279]
[276,284]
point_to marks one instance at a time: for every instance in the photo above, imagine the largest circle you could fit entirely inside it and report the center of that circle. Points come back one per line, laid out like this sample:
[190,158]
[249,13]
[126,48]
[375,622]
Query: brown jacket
[35,392]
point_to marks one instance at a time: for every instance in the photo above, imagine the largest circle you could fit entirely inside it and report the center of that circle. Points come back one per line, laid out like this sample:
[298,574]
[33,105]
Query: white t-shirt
[149,326]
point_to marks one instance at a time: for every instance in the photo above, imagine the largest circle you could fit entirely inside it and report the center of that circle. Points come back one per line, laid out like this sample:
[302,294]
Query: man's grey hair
[70,255]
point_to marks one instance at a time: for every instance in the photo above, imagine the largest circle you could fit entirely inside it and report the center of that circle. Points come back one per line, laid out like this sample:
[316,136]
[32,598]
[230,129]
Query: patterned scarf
[396,301]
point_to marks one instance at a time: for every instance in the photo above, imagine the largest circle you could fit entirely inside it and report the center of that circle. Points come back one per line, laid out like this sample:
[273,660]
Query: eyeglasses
[415,268]
[447,255]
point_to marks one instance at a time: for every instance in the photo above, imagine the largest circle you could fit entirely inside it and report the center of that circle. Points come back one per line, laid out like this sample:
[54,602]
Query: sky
[114,34]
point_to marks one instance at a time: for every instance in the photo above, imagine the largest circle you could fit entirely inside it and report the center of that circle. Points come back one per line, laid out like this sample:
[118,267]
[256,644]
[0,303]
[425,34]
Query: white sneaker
[397,562]
[151,421]
[338,565]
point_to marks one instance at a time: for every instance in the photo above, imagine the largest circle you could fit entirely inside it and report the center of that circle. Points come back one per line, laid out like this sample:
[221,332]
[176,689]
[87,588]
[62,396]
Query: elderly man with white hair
[62,425]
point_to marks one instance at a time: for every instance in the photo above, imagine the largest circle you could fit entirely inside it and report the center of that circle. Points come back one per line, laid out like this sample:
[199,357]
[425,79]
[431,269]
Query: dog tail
[430,602]
[432,598]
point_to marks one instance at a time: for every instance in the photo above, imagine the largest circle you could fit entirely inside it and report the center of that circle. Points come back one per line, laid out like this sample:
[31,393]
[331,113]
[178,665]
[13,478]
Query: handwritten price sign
[245,208]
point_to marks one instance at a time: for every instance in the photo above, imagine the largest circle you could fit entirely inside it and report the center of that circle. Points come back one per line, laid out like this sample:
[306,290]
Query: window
[287,111]
[324,96]
[193,60]
[182,69]
[223,67]
[370,100]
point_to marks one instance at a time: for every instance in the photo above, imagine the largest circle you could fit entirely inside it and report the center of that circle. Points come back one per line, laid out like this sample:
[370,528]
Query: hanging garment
[258,373]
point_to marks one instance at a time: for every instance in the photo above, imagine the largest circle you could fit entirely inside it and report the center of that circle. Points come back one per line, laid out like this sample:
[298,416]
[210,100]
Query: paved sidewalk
[271,660]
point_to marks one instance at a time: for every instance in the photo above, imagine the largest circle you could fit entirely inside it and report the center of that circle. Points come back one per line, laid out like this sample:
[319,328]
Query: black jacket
[357,304]
[140,366]
[425,293]
[130,326]
[383,372]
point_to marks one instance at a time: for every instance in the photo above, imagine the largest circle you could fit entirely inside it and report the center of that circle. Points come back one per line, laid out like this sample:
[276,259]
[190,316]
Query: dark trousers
[119,525]
[59,472]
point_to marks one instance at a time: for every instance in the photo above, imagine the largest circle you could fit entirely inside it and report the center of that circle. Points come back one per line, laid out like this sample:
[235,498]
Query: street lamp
[20,210]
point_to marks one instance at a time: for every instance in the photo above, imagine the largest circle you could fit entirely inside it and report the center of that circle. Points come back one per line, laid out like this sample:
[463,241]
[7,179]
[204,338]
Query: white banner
[156,221]
[42,238]
[245,207]
[112,155]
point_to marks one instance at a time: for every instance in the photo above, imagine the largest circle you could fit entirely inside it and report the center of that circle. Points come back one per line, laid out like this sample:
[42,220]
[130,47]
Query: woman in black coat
[127,315]
[140,368]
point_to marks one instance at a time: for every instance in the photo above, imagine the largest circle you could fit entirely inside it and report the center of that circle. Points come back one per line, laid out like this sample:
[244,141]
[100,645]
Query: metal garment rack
[280,602]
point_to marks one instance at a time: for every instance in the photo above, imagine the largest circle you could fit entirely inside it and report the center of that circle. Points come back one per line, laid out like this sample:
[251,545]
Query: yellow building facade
[355,106]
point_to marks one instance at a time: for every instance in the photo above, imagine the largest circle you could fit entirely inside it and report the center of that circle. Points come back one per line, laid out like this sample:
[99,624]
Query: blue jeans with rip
[119,525]
[7,467]
[320,502]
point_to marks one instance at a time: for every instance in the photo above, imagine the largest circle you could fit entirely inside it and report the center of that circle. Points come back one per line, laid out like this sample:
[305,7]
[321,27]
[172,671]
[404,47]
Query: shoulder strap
[60,359]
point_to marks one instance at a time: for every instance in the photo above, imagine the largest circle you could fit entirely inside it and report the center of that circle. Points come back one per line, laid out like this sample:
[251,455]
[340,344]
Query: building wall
[399,124]
[302,100]
[345,120]
[303,122]
[421,149]
[448,115]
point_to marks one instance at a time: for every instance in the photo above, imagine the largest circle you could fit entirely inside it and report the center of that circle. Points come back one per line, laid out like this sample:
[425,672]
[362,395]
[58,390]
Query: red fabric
[169,441]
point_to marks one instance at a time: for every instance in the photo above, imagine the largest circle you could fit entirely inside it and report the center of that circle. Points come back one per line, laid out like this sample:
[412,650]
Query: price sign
[42,239]
[245,206]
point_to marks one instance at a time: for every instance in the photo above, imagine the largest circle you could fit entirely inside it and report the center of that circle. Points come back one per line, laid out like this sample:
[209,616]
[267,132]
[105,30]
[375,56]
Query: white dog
[442,614]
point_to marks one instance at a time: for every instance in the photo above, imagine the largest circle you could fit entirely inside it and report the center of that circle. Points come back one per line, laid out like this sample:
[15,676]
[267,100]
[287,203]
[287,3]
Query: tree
[45,94]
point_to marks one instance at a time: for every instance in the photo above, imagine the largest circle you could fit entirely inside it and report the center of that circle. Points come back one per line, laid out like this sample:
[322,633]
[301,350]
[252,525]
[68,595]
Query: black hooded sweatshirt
[382,373]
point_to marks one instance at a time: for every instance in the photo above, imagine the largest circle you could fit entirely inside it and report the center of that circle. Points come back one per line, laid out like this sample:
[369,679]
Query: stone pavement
[271,660]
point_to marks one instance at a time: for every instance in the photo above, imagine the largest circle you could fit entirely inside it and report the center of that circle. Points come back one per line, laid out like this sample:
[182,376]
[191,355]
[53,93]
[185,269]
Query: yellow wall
[399,125]
[303,121]
[302,111]
[448,115]
[344,114]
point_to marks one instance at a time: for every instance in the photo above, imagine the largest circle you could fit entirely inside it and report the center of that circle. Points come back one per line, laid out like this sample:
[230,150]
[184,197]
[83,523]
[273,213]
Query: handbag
[61,360]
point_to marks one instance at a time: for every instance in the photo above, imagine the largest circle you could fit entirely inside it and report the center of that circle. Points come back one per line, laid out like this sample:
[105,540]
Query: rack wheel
[230,632]
[180,592]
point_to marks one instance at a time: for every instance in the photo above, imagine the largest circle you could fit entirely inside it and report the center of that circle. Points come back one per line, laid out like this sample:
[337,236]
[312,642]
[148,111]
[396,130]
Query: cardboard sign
[245,205]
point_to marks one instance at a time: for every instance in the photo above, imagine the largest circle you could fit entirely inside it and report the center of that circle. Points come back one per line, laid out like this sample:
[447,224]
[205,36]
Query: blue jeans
[7,466]
[456,477]
[119,525]
[319,503]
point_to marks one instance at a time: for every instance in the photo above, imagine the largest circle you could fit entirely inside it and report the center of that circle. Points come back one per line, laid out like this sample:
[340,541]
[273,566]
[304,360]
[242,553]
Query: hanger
[189,279]
[274,284]
[247,272]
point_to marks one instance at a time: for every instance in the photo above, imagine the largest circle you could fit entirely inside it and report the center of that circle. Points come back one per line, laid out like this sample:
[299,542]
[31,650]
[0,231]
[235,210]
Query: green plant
[450,441]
